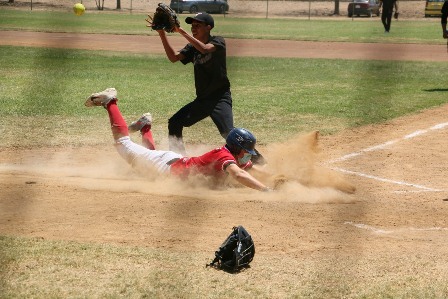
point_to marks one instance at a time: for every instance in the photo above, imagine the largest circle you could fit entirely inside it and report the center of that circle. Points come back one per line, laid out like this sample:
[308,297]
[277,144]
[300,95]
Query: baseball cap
[201,17]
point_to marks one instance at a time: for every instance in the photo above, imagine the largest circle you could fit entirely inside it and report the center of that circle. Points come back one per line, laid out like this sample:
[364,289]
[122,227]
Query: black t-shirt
[388,4]
[210,70]
[444,12]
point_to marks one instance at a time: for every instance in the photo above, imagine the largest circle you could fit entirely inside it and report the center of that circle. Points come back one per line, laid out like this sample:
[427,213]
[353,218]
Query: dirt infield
[399,169]
[397,213]
[236,47]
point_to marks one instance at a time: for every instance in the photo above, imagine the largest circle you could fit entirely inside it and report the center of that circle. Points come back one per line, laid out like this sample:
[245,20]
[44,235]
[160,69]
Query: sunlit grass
[345,30]
[274,97]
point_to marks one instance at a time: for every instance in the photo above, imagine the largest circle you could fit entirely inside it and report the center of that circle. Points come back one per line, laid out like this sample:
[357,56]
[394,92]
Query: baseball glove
[163,19]
[396,15]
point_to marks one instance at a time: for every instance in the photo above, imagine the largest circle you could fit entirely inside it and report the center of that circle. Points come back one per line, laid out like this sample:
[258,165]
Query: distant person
[444,18]
[387,12]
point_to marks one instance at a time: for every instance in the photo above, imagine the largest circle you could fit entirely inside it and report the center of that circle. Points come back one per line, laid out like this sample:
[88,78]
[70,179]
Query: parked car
[194,6]
[363,7]
[433,7]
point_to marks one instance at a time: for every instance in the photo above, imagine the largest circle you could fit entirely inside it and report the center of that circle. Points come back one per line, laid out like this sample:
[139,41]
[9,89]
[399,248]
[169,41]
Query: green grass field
[327,95]
[44,89]
[411,31]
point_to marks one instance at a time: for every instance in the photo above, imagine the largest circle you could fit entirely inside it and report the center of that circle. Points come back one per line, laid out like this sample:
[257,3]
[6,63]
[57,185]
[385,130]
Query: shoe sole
[101,98]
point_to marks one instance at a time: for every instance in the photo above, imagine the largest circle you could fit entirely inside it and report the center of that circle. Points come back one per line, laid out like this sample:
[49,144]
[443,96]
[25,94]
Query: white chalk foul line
[386,180]
[418,191]
[388,143]
[382,231]
[359,153]
[368,227]
[382,146]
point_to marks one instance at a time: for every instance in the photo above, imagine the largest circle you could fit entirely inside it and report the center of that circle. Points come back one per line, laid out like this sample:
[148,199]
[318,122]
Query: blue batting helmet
[239,139]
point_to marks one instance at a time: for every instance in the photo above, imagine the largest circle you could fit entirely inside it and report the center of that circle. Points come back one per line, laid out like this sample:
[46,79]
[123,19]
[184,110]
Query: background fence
[243,8]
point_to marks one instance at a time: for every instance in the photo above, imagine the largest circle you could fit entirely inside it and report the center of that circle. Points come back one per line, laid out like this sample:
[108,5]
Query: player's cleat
[101,98]
[137,125]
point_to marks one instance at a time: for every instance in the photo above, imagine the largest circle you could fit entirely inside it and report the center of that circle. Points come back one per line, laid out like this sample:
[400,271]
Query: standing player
[233,158]
[444,19]
[213,97]
[386,15]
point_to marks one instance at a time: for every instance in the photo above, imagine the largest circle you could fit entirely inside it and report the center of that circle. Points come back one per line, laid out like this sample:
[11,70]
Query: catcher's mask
[239,139]
[202,17]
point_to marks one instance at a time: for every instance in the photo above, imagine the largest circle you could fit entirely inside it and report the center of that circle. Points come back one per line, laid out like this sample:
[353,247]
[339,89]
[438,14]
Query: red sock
[117,122]
[147,139]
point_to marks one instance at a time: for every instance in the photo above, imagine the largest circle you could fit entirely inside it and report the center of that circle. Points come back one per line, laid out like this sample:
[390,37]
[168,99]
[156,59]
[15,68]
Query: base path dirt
[236,47]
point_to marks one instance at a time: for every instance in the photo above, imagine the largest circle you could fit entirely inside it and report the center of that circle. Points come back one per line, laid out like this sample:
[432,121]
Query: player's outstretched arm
[172,55]
[245,178]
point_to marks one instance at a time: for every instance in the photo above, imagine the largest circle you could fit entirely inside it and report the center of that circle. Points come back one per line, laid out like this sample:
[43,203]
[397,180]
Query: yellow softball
[79,9]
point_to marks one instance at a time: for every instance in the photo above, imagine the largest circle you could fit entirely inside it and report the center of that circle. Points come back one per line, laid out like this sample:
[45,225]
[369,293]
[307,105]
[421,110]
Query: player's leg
[388,20]
[175,128]
[222,114]
[108,99]
[384,19]
[118,124]
[142,158]
[143,124]
[147,139]
[135,154]
[185,117]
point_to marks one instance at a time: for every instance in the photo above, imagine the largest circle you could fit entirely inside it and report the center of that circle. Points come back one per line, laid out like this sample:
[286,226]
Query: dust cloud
[296,175]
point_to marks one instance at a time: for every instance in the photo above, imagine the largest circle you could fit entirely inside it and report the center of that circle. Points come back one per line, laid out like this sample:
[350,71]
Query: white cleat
[101,98]
[137,125]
